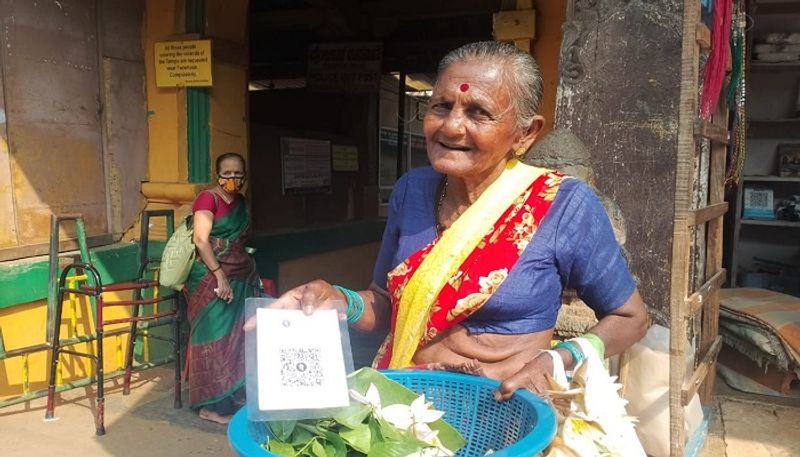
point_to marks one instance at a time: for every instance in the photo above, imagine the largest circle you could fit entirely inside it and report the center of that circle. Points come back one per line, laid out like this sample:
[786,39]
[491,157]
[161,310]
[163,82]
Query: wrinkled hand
[317,294]
[531,377]
[469,367]
[223,289]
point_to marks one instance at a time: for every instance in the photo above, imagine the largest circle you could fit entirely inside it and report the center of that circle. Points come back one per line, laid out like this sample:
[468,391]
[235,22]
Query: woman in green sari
[223,275]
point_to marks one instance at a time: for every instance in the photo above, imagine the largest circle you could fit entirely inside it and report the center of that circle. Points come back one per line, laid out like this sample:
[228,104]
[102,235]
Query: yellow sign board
[345,158]
[183,63]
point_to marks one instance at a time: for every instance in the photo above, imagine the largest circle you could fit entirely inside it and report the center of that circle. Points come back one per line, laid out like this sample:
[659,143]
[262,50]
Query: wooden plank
[524,44]
[701,372]
[33,250]
[703,36]
[514,25]
[624,370]
[524,4]
[716,195]
[703,215]
[713,132]
[684,176]
[696,301]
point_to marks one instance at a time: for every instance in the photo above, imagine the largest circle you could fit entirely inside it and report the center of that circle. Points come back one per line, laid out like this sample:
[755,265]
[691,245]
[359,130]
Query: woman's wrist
[566,356]
[355,303]
[570,352]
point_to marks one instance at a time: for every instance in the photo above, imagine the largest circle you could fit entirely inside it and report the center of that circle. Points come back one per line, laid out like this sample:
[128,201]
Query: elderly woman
[222,277]
[479,246]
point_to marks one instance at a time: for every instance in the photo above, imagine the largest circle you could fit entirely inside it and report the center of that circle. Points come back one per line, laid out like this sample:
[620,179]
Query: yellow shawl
[449,253]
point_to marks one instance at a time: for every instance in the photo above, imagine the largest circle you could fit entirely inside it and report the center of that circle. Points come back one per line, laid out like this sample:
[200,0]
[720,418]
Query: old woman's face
[471,126]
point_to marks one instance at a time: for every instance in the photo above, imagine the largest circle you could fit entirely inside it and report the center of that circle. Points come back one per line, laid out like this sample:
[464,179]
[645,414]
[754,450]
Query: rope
[714,76]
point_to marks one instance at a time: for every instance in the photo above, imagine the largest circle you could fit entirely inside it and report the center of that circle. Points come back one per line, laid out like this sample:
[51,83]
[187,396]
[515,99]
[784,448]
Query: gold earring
[520,152]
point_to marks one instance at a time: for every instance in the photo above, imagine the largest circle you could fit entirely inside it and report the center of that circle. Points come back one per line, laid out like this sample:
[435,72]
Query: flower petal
[398,415]
[373,396]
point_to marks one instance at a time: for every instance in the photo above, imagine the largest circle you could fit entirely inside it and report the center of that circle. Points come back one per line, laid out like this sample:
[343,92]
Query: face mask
[230,184]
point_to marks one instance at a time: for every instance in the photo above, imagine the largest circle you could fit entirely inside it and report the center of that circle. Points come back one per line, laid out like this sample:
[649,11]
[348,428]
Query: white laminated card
[300,360]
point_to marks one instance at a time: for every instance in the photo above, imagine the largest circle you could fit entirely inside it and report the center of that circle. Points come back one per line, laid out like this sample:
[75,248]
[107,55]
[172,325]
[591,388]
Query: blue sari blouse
[574,247]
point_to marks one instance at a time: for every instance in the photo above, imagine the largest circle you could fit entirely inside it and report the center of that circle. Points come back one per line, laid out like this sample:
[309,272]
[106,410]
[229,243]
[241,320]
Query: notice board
[306,165]
[183,63]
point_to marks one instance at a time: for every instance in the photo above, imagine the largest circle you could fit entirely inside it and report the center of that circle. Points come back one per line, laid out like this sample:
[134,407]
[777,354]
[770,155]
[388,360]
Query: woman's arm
[319,294]
[623,326]
[203,221]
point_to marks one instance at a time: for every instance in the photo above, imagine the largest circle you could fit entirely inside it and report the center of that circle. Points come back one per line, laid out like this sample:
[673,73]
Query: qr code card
[300,360]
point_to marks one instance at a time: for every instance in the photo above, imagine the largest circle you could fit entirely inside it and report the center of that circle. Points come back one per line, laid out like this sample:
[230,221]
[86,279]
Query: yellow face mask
[231,184]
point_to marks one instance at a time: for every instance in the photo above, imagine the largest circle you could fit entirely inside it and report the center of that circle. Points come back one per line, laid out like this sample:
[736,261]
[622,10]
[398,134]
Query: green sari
[215,355]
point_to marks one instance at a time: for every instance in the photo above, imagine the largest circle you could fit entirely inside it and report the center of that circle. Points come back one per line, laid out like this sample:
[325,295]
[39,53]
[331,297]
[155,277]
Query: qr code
[300,367]
[759,199]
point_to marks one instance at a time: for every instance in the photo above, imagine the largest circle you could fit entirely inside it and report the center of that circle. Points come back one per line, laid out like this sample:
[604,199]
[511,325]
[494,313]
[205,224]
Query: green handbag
[178,256]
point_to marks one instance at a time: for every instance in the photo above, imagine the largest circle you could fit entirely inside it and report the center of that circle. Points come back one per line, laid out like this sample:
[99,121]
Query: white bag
[647,391]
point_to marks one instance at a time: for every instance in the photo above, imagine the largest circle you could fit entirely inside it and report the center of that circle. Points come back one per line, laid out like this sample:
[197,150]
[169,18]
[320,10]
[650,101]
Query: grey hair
[523,71]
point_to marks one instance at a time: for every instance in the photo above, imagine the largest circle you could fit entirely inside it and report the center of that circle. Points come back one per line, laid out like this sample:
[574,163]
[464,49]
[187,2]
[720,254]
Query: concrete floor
[140,424]
[753,425]
[145,424]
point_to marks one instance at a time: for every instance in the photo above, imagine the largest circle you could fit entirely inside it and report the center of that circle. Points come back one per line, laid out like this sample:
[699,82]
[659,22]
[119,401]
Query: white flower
[372,398]
[398,415]
[404,416]
[432,452]
[422,412]
[415,418]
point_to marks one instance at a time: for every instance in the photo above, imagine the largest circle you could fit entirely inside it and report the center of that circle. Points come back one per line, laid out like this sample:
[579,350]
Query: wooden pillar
[618,92]
[517,25]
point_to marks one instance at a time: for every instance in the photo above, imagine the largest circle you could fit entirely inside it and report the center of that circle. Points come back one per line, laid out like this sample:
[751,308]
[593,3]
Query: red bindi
[464,87]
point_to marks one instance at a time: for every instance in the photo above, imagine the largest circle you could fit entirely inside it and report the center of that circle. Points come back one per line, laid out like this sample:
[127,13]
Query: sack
[647,390]
[178,256]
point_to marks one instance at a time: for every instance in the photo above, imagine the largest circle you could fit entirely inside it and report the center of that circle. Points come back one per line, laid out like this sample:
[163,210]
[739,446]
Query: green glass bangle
[359,308]
[355,304]
[347,298]
[596,343]
[572,348]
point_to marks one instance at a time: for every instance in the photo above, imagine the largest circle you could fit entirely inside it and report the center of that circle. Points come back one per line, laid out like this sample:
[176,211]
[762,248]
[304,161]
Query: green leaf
[301,436]
[375,429]
[330,450]
[280,448]
[392,393]
[359,438]
[318,449]
[389,431]
[281,429]
[353,415]
[394,449]
[340,449]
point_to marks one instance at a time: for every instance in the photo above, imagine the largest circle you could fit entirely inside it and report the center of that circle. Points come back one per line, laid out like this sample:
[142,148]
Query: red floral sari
[484,269]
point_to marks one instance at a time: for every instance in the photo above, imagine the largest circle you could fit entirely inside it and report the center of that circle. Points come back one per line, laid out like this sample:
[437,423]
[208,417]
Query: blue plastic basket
[520,427]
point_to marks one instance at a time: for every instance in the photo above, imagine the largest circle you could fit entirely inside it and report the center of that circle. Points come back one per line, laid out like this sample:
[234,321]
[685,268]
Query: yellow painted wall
[8,226]
[166,106]
[226,25]
[228,110]
[24,325]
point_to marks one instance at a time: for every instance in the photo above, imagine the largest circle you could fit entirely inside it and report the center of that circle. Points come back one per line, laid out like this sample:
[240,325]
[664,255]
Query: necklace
[440,227]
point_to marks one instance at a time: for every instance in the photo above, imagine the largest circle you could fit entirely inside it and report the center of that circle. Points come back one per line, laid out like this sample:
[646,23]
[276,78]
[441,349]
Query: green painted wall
[198,109]
[26,281]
